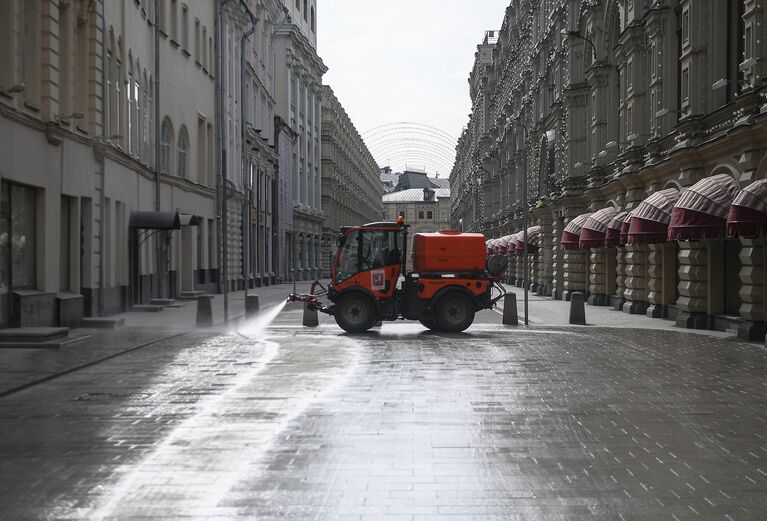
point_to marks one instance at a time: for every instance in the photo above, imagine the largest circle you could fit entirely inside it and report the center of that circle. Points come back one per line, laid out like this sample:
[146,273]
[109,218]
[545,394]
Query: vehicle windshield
[364,250]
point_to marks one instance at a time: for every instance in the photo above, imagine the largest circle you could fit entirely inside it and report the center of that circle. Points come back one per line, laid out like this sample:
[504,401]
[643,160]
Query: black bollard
[311,319]
[577,309]
[510,317]
[205,311]
[252,306]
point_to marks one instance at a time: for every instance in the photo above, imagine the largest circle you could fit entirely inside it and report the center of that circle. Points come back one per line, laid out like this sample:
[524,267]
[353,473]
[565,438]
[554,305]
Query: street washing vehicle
[452,278]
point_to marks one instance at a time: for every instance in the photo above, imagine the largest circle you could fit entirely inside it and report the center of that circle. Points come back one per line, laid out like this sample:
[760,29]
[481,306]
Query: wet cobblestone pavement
[540,424]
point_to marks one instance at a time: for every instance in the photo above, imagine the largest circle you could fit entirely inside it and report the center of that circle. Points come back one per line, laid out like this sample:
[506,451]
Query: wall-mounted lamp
[575,34]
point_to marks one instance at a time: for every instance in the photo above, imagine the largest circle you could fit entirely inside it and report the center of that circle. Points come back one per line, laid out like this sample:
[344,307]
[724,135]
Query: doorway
[18,242]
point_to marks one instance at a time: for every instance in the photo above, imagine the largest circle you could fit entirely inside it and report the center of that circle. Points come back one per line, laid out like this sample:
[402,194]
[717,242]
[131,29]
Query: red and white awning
[533,235]
[595,228]
[649,221]
[612,235]
[701,212]
[748,213]
[515,238]
[572,235]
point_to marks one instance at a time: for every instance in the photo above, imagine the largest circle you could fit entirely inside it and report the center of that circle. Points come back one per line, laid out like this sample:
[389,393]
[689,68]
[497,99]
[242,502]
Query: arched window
[182,150]
[166,142]
[312,19]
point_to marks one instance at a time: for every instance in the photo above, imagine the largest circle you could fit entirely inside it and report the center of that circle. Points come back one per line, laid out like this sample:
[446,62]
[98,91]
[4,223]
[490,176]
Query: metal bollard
[205,311]
[510,317]
[577,309]
[311,318]
[252,306]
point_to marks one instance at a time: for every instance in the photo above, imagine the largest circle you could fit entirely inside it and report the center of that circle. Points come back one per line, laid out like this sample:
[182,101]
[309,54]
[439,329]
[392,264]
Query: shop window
[18,242]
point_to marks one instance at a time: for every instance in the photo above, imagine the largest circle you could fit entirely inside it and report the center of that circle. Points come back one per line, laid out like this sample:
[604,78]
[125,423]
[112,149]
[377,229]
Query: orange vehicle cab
[370,281]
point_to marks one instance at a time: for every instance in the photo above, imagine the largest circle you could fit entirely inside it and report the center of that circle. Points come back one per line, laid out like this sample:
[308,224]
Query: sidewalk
[21,368]
[545,311]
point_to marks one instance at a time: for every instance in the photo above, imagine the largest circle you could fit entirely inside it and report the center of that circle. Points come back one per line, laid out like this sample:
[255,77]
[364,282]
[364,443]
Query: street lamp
[525,224]
[575,34]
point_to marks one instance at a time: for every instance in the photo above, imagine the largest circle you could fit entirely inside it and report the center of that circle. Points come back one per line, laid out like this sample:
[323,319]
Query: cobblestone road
[540,424]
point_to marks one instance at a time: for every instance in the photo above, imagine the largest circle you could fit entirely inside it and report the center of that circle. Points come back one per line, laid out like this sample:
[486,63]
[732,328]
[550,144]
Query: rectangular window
[174,20]
[686,26]
[420,215]
[685,86]
[185,27]
[197,54]
[18,228]
[429,215]
[748,40]
[65,242]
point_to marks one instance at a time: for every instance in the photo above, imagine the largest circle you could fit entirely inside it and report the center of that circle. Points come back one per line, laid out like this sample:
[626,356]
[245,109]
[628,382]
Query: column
[636,279]
[598,270]
[574,272]
[693,285]
[545,256]
[620,279]
[557,282]
[753,291]
[532,284]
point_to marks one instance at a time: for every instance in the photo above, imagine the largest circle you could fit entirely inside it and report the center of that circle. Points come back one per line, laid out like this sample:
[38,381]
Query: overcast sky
[404,60]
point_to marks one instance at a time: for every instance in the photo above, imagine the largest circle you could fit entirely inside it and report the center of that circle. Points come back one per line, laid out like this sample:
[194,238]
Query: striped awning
[649,221]
[515,238]
[701,212]
[623,237]
[748,213]
[572,235]
[595,228]
[533,235]
[612,235]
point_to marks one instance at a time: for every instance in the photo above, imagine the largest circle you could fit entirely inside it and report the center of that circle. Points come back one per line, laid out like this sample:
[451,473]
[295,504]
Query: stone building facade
[298,81]
[92,131]
[656,109]
[351,188]
[426,210]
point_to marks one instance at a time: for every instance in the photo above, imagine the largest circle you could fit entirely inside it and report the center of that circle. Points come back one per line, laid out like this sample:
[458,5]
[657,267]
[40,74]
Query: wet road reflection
[397,424]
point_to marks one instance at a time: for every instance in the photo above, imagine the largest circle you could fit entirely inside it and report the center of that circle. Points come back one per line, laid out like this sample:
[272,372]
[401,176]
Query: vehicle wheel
[428,323]
[355,313]
[454,313]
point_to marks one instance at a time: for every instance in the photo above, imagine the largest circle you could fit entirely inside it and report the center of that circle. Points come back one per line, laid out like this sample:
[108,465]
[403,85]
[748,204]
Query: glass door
[5,255]
[18,238]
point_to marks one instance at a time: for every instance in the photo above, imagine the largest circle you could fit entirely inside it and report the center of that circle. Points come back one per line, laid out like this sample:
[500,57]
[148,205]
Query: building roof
[440,182]
[415,179]
[414,195]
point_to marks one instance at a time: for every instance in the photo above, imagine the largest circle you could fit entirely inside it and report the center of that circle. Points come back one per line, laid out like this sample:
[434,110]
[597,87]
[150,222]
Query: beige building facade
[656,109]
[82,114]
[426,210]
[298,82]
[351,189]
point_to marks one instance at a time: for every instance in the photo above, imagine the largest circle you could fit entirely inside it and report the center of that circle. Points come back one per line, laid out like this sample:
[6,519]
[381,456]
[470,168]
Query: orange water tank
[448,252]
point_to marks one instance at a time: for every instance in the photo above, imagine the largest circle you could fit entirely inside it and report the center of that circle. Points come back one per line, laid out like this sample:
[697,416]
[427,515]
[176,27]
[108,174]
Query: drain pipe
[246,260]
[157,128]
[221,181]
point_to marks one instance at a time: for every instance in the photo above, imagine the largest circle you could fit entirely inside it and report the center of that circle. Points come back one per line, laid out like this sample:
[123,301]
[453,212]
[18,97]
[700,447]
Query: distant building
[351,193]
[416,178]
[424,209]
[389,179]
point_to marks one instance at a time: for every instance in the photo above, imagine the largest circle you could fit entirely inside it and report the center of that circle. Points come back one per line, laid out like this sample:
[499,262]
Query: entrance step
[33,334]
[147,307]
[38,338]
[103,322]
[162,301]
[190,295]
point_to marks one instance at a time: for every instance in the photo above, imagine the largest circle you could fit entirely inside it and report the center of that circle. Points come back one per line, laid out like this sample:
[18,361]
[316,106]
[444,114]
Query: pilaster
[693,285]
[598,277]
[753,290]
[636,279]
